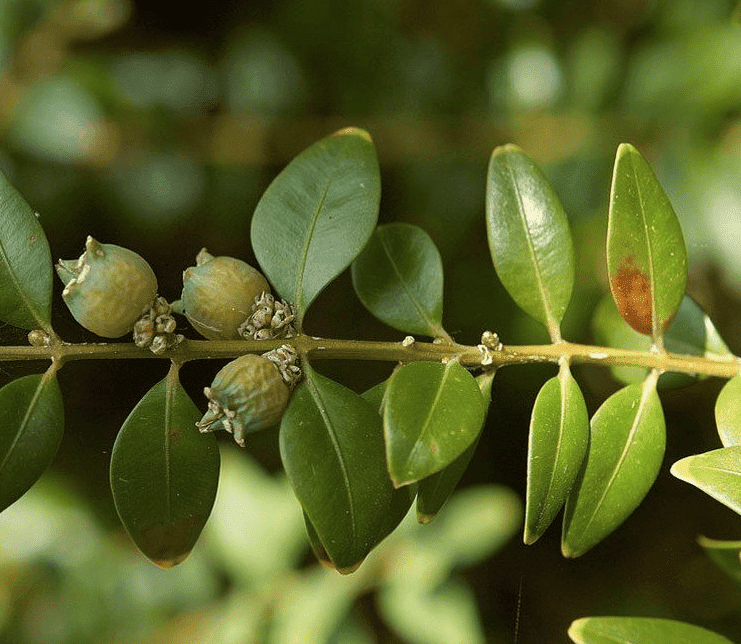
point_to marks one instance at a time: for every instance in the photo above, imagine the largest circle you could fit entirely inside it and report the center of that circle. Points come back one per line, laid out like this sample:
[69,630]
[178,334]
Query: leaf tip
[425,518]
[354,131]
[166,564]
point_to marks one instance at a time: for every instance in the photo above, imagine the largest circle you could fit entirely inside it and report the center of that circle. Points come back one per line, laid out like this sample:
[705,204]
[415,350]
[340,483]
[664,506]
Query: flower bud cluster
[155,329]
[269,319]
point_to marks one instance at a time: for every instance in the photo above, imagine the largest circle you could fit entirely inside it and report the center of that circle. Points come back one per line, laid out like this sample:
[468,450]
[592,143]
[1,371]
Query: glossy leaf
[728,412]
[432,413]
[399,278]
[646,255]
[559,432]
[640,630]
[164,473]
[717,473]
[331,444]
[529,237]
[374,395]
[436,489]
[25,263]
[626,447]
[31,427]
[692,332]
[317,215]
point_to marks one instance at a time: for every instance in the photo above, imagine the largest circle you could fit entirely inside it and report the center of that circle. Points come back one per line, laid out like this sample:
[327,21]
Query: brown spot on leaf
[169,544]
[632,293]
[433,448]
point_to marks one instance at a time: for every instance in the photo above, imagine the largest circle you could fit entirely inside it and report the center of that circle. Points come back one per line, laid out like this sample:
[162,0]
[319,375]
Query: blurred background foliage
[158,129]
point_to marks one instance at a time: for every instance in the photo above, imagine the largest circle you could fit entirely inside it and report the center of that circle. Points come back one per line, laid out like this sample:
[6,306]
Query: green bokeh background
[158,128]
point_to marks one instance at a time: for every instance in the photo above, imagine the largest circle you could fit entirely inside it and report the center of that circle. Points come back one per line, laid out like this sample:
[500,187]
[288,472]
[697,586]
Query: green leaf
[728,412]
[433,412]
[331,444]
[724,554]
[374,396]
[25,264]
[691,333]
[31,427]
[626,447]
[399,279]
[436,489]
[559,433]
[164,473]
[529,237]
[317,215]
[640,630]
[646,255]
[717,473]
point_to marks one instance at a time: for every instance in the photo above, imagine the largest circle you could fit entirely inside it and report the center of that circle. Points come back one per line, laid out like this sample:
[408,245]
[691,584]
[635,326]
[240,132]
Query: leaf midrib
[432,325]
[331,432]
[550,318]
[298,297]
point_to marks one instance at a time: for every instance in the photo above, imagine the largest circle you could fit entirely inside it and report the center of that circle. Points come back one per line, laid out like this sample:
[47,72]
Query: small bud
[218,294]
[269,319]
[247,395]
[107,288]
[155,329]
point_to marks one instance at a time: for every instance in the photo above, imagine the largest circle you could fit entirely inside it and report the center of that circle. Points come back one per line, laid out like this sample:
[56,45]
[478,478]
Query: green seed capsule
[218,294]
[247,395]
[107,288]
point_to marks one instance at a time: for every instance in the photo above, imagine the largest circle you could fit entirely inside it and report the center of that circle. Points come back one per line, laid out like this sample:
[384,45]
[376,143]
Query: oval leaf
[640,630]
[646,255]
[529,237]
[728,412]
[399,279]
[331,444]
[626,447]
[164,473]
[691,333]
[559,432]
[436,489]
[31,427]
[717,473]
[317,215]
[432,413]
[25,263]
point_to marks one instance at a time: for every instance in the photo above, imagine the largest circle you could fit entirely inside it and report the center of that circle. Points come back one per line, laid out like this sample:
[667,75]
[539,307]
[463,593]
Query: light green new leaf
[728,412]
[626,447]
[31,427]
[317,215]
[559,432]
[691,332]
[646,255]
[529,237]
[164,473]
[435,490]
[331,444]
[432,413]
[717,473]
[399,278]
[25,263]
[640,630]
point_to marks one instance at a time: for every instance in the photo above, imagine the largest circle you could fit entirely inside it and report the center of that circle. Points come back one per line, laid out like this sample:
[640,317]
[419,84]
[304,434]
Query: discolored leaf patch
[632,292]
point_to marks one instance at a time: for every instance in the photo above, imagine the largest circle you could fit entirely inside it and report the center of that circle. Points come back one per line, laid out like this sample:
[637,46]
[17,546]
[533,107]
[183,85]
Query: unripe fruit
[107,288]
[247,395]
[218,294]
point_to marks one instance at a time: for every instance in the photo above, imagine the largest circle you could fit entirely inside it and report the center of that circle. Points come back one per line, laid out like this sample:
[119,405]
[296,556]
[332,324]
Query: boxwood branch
[326,348]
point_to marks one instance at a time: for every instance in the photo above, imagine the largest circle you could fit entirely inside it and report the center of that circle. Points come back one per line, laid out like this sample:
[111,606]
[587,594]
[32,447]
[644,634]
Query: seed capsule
[107,288]
[247,395]
[218,294]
